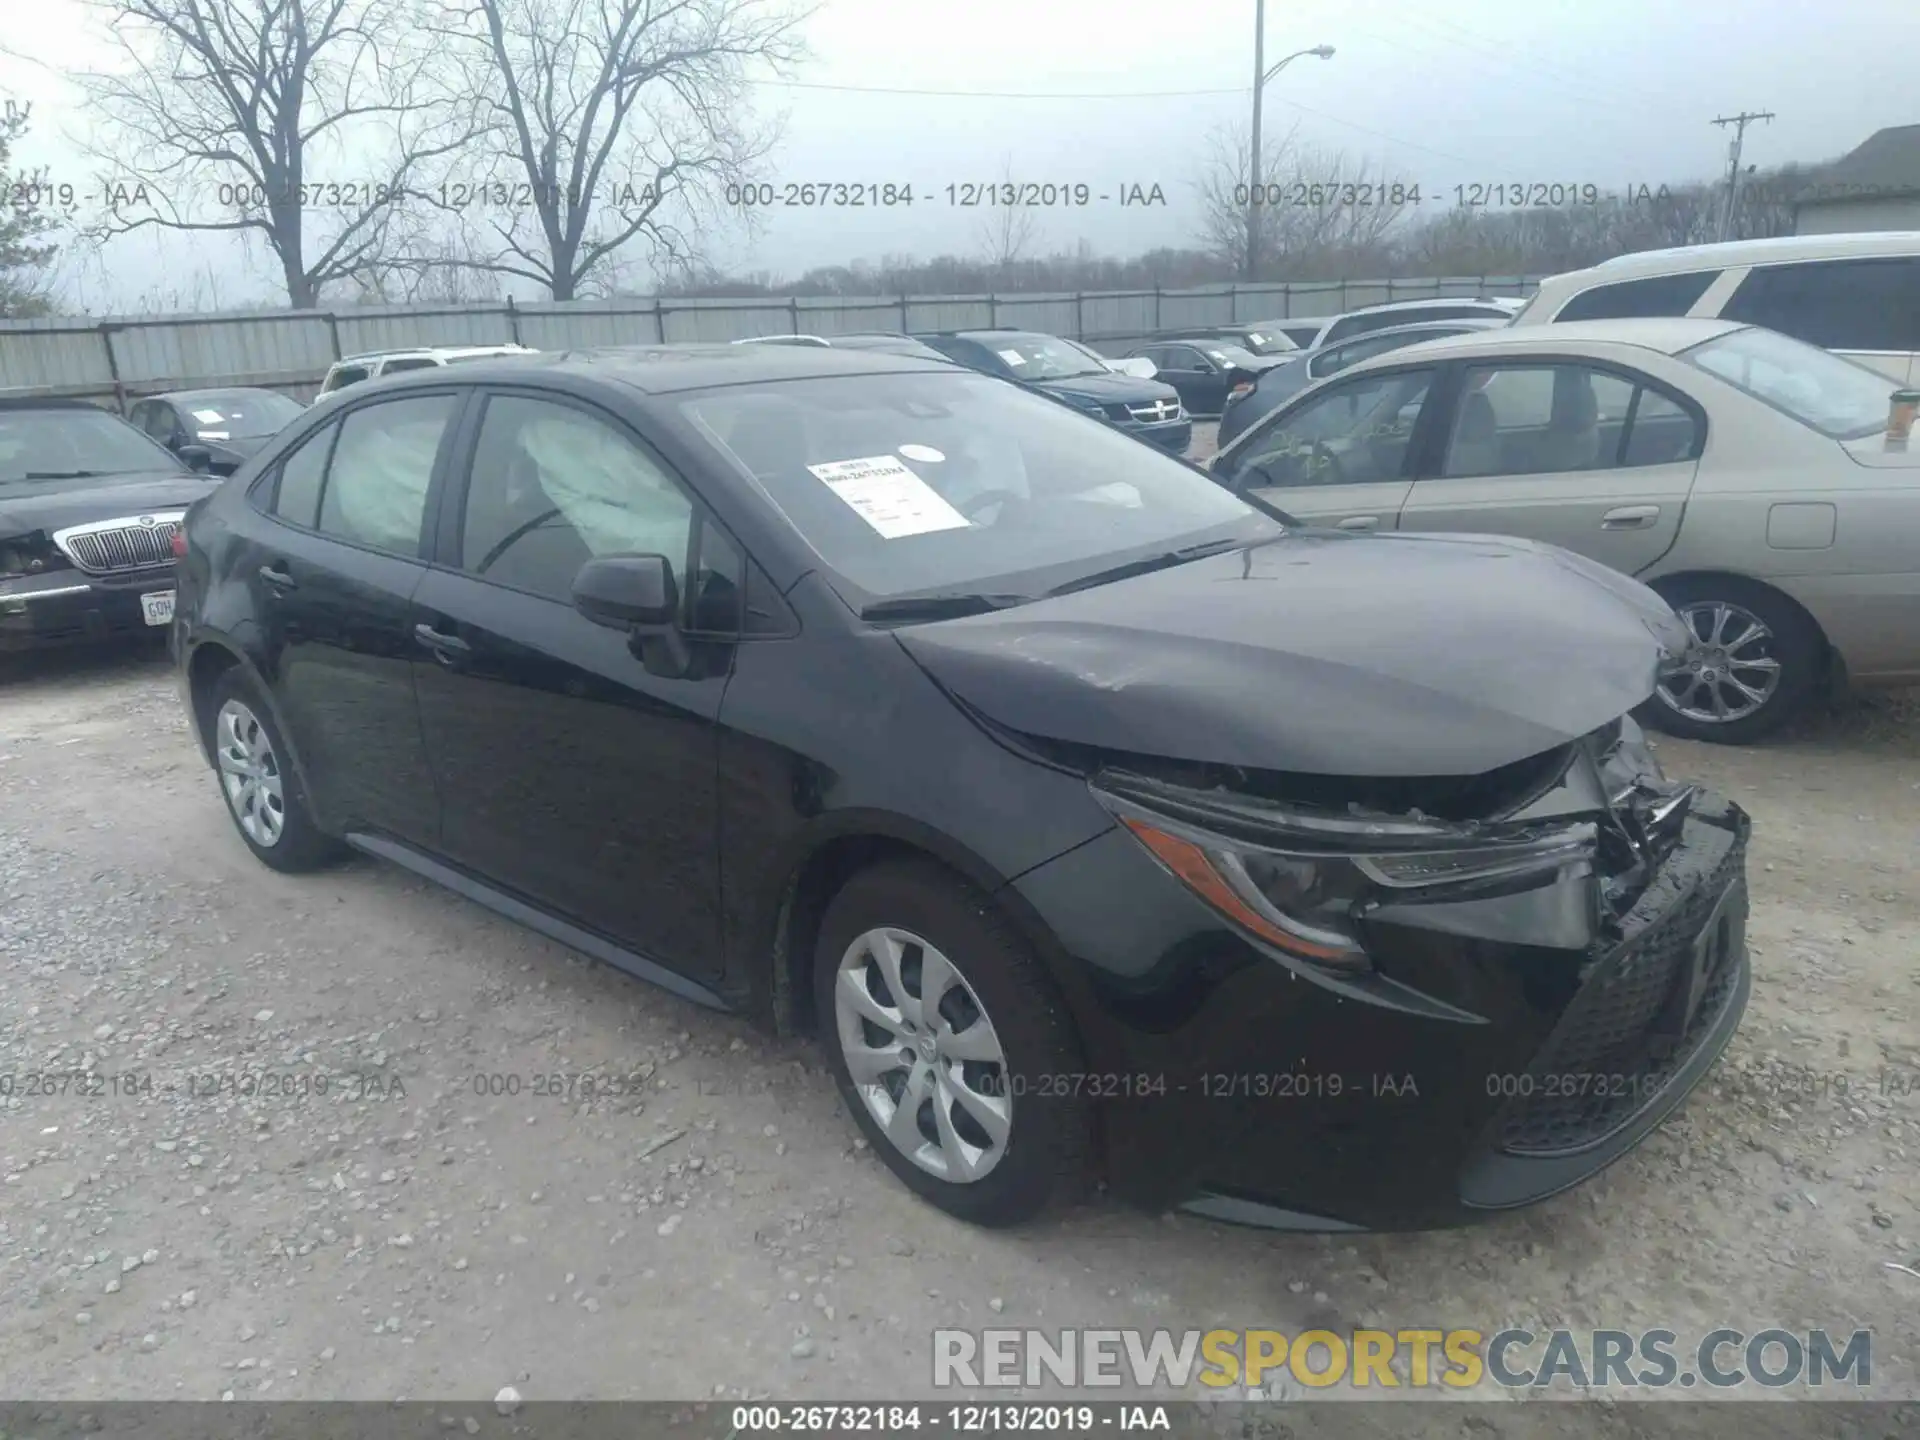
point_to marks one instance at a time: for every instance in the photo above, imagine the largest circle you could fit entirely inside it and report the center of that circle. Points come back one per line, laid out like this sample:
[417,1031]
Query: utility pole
[1254,197]
[1262,73]
[1740,123]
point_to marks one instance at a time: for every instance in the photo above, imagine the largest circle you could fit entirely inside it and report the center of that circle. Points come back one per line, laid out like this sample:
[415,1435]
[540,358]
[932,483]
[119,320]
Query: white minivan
[1857,295]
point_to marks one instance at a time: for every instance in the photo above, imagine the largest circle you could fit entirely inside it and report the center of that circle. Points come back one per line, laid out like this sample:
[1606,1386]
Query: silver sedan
[1757,483]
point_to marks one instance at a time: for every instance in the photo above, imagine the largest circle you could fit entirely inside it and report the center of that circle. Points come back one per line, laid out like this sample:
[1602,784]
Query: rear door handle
[278,578]
[442,644]
[1630,517]
[1360,522]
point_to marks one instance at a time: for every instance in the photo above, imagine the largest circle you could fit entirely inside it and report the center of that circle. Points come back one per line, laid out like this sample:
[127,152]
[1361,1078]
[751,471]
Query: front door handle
[1360,522]
[278,578]
[1630,517]
[442,644]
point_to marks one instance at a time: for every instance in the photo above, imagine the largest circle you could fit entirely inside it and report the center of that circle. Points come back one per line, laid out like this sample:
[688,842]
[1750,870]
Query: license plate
[157,606]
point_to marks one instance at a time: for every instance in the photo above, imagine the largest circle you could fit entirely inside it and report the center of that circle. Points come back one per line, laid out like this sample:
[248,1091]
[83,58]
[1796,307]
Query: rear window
[1840,399]
[1351,325]
[1655,296]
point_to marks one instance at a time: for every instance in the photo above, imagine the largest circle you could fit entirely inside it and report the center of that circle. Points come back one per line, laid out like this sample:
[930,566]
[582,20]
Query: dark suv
[1070,372]
[876,697]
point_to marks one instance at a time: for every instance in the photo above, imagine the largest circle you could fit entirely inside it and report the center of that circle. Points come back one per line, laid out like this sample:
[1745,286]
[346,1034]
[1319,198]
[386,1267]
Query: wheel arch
[212,657]
[1830,657]
[816,866]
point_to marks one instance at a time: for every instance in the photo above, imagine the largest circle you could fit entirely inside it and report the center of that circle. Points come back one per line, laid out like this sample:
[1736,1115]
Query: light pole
[1262,73]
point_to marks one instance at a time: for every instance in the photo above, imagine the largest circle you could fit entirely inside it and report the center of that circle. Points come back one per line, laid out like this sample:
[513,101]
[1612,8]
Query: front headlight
[30,554]
[1308,885]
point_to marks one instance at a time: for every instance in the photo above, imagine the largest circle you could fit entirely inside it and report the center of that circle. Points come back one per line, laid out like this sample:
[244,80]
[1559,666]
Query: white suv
[1856,295]
[355,368]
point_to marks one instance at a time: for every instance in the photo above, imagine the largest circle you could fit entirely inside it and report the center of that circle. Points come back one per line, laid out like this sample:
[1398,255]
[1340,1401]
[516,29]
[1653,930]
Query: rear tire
[1758,660]
[994,1141]
[259,783]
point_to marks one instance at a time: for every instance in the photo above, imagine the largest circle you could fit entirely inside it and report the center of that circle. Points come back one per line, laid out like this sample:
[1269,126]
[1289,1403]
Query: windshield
[74,444]
[1269,342]
[1840,399]
[1228,357]
[248,413]
[926,482]
[1042,357]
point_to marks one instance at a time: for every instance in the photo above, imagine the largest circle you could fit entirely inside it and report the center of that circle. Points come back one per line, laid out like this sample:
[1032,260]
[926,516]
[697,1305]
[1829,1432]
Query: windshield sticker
[208,417]
[1012,357]
[890,497]
[926,454]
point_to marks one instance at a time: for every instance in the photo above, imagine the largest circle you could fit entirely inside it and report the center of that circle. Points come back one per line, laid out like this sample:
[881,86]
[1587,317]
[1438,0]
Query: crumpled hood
[55,504]
[1322,653]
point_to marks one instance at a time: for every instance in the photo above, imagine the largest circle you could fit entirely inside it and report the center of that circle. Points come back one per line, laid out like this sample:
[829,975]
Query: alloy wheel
[923,1056]
[250,774]
[1729,672]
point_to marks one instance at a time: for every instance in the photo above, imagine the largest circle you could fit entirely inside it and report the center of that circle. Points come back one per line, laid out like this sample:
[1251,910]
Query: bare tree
[305,123]
[32,211]
[1320,212]
[615,121]
[1007,228]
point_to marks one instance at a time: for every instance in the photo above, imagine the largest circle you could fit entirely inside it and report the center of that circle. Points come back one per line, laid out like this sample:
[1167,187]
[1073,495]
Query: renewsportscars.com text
[1458,1359]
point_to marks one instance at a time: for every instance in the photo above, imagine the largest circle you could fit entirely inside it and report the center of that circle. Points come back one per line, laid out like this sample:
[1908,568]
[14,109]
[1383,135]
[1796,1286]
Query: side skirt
[534,918]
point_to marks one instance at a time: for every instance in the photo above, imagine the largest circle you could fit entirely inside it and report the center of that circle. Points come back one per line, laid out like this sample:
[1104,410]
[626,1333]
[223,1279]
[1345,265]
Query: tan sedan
[1747,477]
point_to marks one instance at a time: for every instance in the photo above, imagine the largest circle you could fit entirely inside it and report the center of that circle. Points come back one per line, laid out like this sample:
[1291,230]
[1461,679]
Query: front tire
[949,1046]
[1757,660]
[259,782]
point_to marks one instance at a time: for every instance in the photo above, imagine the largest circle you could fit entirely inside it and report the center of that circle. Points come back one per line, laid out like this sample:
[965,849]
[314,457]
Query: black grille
[1608,1056]
[127,547]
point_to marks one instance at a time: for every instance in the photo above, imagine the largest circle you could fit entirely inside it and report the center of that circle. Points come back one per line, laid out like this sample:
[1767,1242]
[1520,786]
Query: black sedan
[1261,338]
[1096,820]
[1281,384]
[1206,373]
[215,430]
[89,509]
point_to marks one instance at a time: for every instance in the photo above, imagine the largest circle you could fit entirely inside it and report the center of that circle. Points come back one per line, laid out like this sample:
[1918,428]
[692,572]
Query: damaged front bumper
[1481,1039]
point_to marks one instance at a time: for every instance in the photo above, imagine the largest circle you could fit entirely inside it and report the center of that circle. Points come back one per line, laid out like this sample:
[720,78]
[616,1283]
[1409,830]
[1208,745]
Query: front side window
[554,487]
[1354,433]
[63,445]
[395,367]
[927,481]
[376,490]
[1840,399]
[348,375]
[1837,304]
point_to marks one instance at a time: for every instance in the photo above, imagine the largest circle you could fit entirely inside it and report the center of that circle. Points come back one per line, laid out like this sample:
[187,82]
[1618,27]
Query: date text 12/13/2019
[959,194]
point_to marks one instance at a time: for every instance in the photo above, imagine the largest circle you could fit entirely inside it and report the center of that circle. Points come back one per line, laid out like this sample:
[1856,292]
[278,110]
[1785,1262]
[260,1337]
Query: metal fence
[119,360]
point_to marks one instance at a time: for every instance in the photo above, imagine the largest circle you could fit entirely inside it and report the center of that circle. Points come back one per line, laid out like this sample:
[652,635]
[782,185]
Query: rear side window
[1836,304]
[1655,296]
[376,490]
[296,497]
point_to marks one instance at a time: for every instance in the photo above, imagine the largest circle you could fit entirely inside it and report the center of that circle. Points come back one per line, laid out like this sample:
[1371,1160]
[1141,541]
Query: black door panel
[536,718]
[338,629]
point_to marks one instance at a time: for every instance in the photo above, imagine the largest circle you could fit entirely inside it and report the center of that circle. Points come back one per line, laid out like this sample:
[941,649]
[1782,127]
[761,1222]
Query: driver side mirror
[198,457]
[638,594]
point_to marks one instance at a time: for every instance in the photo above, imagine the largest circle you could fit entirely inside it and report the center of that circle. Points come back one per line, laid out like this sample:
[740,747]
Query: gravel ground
[727,1233]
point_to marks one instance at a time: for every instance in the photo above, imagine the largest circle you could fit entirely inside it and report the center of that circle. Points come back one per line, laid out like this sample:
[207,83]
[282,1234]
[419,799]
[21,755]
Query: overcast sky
[1578,91]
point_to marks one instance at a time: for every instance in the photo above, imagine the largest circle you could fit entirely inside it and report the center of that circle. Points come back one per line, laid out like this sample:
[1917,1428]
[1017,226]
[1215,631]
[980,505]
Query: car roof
[1593,337]
[1683,258]
[411,350]
[1509,306]
[666,369]
[205,390]
[48,402]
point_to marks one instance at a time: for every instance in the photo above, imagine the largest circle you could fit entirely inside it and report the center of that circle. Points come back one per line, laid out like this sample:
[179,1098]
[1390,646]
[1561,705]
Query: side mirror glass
[625,591]
[199,457]
[638,594]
